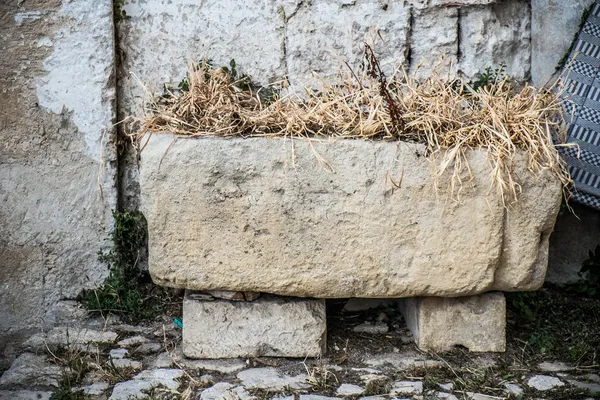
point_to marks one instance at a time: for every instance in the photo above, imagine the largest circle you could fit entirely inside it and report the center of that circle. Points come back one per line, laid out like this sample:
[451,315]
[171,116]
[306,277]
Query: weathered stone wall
[58,101]
[57,108]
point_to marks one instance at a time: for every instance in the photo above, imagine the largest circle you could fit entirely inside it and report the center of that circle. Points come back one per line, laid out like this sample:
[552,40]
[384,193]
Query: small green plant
[589,275]
[66,393]
[242,81]
[128,290]
[490,76]
[119,13]
[555,324]
[74,365]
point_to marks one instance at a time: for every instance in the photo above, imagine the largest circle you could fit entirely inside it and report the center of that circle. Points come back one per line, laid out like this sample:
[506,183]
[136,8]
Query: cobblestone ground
[370,357]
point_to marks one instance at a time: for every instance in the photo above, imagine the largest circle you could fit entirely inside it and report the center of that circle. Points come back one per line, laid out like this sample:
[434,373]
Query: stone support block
[271,326]
[475,322]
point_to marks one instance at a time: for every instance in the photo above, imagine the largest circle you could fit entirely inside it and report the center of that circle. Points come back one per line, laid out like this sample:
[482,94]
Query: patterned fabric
[582,105]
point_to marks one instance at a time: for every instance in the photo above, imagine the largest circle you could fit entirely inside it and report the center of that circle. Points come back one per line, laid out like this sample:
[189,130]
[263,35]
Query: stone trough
[340,219]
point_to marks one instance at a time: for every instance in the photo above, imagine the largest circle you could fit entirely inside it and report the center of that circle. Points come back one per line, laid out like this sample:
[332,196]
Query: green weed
[66,393]
[555,325]
[490,76]
[119,13]
[128,290]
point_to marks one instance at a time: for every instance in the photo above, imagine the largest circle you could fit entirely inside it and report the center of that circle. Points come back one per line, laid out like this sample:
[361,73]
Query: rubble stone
[226,391]
[348,389]
[29,371]
[544,382]
[271,379]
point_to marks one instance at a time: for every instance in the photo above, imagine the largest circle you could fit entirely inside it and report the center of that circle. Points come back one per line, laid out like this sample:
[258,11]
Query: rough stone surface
[234,296]
[133,341]
[224,366]
[375,329]
[132,390]
[305,231]
[550,42]
[226,391]
[407,387]
[348,389]
[401,361]
[554,367]
[479,396]
[498,34]
[24,395]
[573,237]
[57,111]
[161,37]
[142,383]
[29,371]
[269,326]
[126,363]
[475,322]
[271,379]
[321,34]
[593,388]
[434,39]
[544,382]
[513,388]
[118,353]
[148,348]
[81,338]
[96,389]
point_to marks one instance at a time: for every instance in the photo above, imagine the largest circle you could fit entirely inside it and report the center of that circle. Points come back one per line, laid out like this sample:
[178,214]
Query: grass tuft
[448,115]
[128,290]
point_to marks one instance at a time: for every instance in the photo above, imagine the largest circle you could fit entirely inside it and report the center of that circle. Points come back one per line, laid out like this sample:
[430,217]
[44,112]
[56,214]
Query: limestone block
[161,37]
[266,216]
[494,35]
[322,34]
[475,322]
[551,41]
[434,39]
[270,326]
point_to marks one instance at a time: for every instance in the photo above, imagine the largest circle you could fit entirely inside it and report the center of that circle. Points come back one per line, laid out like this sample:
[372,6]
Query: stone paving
[109,360]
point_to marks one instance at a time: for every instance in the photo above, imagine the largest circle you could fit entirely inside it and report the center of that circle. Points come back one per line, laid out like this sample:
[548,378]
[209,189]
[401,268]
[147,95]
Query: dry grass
[447,115]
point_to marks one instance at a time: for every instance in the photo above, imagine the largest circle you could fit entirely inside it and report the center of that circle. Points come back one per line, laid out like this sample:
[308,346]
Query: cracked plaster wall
[57,108]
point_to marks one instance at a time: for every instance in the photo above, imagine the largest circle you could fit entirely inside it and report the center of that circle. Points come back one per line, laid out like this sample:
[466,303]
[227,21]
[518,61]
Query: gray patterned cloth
[582,105]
